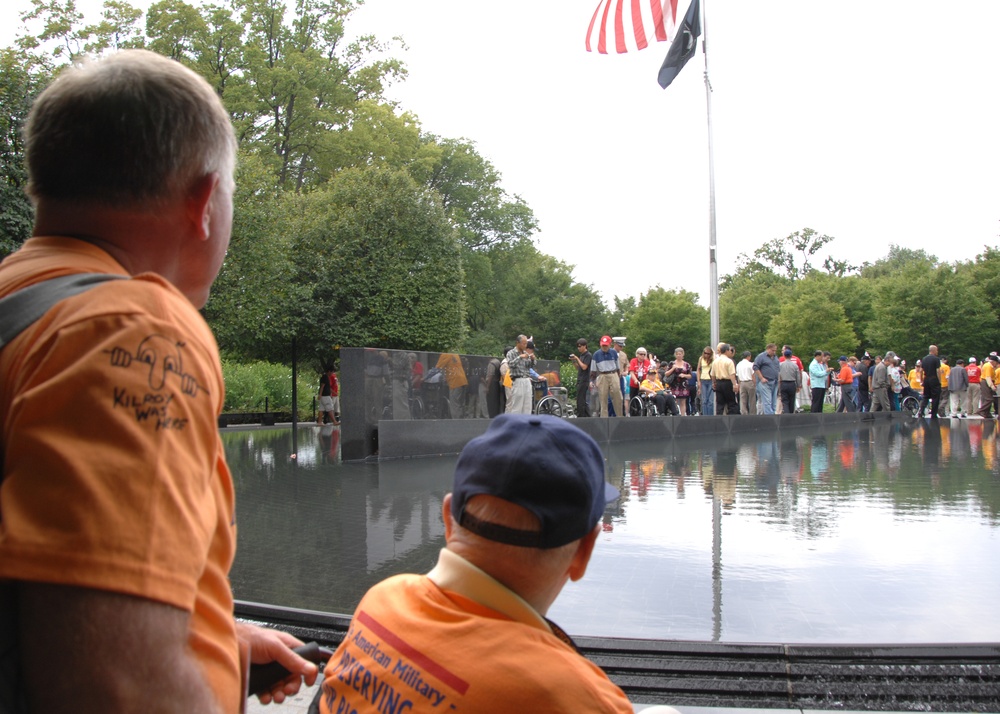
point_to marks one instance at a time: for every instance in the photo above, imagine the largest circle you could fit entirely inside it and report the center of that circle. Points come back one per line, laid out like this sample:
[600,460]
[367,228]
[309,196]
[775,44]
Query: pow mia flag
[683,47]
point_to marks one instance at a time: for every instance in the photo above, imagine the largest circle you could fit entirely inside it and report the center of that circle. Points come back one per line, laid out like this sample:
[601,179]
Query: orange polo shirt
[457,640]
[114,473]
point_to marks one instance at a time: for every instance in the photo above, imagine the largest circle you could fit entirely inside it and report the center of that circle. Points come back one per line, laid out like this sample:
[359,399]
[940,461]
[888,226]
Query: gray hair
[133,129]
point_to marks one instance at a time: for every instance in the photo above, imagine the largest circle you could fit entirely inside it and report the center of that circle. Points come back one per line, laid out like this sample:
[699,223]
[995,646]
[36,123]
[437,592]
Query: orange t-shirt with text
[114,473]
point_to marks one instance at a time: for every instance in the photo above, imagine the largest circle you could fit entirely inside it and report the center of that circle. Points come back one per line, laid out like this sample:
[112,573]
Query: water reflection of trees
[317,534]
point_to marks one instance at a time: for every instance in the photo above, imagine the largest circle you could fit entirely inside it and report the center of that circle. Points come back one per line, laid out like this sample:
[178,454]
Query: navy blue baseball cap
[542,464]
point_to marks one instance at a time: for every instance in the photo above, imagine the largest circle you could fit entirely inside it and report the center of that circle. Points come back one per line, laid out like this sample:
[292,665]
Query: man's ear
[199,204]
[449,524]
[581,558]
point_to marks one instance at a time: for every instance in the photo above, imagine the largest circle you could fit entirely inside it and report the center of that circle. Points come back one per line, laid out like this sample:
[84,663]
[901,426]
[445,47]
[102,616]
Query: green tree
[922,305]
[22,77]
[621,314]
[666,319]
[794,256]
[809,320]
[898,260]
[984,273]
[60,29]
[118,29]
[299,82]
[175,28]
[853,293]
[254,300]
[382,264]
[473,197]
[549,305]
[748,304]
[514,289]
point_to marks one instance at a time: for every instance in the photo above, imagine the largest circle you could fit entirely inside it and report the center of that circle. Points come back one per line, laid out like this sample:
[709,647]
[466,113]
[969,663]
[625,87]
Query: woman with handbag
[675,375]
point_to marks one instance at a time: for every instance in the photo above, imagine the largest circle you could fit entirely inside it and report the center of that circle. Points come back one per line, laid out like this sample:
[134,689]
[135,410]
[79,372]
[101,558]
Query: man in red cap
[606,366]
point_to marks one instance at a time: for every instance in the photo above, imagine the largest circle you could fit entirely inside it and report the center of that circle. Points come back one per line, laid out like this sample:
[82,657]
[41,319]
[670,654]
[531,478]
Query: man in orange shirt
[117,514]
[845,378]
[471,635]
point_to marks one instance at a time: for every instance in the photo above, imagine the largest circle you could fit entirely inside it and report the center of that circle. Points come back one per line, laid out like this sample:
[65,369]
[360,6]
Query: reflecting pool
[883,534]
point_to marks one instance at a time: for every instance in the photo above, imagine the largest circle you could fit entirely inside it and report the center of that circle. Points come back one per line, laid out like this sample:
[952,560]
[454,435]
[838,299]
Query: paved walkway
[299,704]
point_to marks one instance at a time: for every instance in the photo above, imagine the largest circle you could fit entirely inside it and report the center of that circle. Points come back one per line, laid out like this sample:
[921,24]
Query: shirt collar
[456,574]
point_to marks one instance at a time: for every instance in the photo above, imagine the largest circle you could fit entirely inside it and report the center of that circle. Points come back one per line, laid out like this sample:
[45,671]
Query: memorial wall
[393,385]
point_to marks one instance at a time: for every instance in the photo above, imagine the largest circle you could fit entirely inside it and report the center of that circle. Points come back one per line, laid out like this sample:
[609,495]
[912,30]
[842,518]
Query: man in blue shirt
[765,368]
[605,366]
[817,378]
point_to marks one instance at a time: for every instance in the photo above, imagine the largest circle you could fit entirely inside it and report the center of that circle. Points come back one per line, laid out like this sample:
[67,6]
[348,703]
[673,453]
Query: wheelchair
[909,404]
[642,405]
[553,403]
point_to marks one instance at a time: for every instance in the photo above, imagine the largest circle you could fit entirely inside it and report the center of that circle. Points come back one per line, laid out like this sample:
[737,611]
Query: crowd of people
[610,382]
[715,384]
[775,381]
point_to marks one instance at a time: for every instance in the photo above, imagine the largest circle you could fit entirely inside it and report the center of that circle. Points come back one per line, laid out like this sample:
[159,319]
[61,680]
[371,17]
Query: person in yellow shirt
[454,371]
[916,377]
[945,373]
[653,388]
[987,385]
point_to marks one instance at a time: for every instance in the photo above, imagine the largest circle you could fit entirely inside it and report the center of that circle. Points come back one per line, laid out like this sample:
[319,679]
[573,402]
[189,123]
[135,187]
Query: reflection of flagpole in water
[716,567]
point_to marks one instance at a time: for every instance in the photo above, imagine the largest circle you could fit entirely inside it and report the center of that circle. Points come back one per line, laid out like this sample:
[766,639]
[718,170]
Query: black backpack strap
[19,310]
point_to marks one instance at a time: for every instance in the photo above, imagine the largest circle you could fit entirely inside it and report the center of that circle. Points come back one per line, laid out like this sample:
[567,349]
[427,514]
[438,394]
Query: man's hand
[276,646]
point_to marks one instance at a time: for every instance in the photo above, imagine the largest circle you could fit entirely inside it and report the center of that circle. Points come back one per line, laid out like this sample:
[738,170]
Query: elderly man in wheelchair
[653,399]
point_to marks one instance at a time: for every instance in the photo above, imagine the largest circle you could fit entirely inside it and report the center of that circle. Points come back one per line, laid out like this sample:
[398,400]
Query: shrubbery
[260,386]
[567,375]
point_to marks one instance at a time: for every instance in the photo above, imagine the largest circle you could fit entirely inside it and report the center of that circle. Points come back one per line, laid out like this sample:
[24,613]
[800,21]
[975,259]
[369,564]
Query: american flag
[632,24]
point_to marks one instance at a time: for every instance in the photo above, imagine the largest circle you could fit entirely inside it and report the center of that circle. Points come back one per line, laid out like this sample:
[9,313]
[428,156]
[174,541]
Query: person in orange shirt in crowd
[845,378]
[472,635]
[118,526]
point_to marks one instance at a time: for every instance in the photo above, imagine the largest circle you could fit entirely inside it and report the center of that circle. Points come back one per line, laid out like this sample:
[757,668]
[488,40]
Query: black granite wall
[399,385]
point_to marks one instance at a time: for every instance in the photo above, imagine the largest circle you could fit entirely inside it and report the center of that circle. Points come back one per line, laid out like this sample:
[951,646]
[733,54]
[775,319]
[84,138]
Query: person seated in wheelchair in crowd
[652,388]
[911,382]
[539,382]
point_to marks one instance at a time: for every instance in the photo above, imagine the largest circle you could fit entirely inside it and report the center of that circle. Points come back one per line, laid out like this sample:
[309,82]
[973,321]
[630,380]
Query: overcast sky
[873,122]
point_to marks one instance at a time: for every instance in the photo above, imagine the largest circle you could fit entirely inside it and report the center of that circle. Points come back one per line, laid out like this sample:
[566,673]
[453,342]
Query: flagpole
[713,266]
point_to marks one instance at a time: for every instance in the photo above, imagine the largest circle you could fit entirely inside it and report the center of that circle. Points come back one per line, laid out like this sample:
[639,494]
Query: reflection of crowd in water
[885,450]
